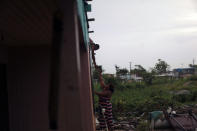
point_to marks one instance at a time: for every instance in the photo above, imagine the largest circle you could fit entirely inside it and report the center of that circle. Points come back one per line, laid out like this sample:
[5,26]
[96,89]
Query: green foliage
[121,71]
[148,78]
[161,66]
[96,73]
[139,70]
[194,66]
[193,78]
[140,85]
[182,98]
[162,80]
[139,97]
[143,126]
[111,80]
[194,96]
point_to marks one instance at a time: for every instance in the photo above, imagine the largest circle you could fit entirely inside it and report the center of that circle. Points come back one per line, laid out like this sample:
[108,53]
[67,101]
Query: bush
[194,96]
[161,80]
[111,80]
[129,85]
[140,85]
[139,98]
[193,78]
[143,126]
[148,78]
[183,98]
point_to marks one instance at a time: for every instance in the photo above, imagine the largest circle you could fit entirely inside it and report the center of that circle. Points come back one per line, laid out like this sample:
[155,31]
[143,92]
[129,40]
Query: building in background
[44,66]
[168,74]
[136,78]
[131,77]
[184,72]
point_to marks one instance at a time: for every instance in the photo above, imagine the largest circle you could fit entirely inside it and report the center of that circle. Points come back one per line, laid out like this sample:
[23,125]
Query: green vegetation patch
[138,97]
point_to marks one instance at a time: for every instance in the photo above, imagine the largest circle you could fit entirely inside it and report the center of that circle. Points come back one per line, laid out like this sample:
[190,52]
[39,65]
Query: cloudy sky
[142,31]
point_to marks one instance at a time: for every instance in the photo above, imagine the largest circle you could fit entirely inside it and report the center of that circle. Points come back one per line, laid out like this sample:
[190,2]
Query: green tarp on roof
[83,19]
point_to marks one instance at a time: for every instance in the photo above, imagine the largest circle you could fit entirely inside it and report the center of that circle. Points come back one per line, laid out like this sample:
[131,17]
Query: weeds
[138,97]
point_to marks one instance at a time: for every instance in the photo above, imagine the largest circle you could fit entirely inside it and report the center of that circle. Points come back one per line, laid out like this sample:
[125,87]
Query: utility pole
[130,67]
[193,61]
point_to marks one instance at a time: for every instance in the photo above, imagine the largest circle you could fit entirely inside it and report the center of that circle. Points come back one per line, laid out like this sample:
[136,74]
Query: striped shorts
[105,118]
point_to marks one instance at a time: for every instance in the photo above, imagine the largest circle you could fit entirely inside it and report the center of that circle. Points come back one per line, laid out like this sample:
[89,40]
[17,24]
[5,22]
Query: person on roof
[93,48]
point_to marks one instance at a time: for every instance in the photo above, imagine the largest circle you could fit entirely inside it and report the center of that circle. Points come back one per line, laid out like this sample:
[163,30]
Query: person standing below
[105,119]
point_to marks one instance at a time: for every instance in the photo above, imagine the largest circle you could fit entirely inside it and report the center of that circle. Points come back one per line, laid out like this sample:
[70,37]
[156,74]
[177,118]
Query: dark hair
[96,46]
[111,88]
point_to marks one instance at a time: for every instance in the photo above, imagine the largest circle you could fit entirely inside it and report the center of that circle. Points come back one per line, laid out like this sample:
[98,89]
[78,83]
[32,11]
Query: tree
[148,77]
[193,66]
[153,71]
[110,80]
[142,72]
[161,66]
[121,72]
[96,73]
[139,70]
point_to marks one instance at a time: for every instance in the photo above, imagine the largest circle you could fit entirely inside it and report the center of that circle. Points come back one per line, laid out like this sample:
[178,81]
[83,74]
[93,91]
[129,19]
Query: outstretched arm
[100,77]
[97,68]
[93,55]
[93,58]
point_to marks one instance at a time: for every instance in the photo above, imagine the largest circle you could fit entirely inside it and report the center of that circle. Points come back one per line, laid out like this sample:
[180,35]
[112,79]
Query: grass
[139,98]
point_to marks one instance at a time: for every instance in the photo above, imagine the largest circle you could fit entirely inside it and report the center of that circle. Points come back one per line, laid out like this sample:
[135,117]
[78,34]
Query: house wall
[28,86]
[3,55]
[75,111]
[4,120]
[88,120]
[29,76]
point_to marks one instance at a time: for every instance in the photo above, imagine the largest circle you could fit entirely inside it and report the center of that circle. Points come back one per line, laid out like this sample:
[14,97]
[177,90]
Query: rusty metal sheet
[184,122]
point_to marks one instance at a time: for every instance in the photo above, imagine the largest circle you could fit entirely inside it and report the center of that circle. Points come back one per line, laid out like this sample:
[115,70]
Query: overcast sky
[142,31]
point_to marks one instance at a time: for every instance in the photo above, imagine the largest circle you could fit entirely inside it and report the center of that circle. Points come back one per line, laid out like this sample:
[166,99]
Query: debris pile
[183,118]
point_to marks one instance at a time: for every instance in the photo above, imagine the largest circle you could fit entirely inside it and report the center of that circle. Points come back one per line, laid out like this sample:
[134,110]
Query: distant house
[136,78]
[132,77]
[184,72]
[169,74]
[125,77]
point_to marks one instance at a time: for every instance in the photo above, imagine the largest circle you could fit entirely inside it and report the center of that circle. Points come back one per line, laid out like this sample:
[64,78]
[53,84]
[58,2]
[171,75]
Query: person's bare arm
[93,58]
[100,77]
[101,81]
[97,68]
